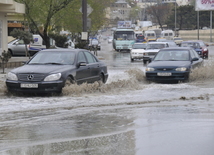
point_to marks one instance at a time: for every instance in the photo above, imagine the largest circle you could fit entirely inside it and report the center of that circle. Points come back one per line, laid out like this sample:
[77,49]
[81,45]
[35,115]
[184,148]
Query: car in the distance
[17,47]
[203,47]
[110,39]
[171,43]
[173,64]
[194,45]
[137,51]
[178,40]
[94,43]
[140,39]
[50,70]
[152,49]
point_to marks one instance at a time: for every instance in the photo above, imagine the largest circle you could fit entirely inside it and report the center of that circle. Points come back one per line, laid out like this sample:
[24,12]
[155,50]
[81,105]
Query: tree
[134,13]
[60,40]
[5,58]
[39,14]
[26,36]
[70,18]
[160,12]
[187,18]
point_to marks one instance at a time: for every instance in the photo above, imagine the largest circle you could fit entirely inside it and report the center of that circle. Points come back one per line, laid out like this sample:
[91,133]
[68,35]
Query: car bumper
[137,56]
[175,76]
[148,58]
[43,87]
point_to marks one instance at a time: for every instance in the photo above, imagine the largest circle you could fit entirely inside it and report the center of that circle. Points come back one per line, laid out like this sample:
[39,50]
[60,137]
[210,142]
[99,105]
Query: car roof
[177,48]
[63,50]
[190,41]
[140,43]
[157,42]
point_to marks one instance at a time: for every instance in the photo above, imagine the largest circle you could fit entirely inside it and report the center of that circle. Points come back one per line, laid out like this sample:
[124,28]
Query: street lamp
[175,17]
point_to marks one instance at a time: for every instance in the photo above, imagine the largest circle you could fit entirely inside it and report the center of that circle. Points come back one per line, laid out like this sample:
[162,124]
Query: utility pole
[84,15]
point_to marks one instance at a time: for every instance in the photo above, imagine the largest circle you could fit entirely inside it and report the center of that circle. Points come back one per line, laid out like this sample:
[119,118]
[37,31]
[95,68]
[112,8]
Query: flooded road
[126,116]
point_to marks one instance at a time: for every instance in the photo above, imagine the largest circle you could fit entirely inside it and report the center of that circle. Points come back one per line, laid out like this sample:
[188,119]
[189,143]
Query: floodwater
[126,116]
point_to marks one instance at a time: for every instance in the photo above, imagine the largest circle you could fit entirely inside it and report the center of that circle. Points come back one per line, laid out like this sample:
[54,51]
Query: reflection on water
[93,134]
[116,144]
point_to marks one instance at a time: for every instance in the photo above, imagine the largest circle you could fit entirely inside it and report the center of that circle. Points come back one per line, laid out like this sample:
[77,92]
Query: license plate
[164,74]
[28,85]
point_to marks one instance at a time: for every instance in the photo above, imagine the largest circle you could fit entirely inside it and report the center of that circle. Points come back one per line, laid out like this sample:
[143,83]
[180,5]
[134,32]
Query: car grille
[151,53]
[31,77]
[164,69]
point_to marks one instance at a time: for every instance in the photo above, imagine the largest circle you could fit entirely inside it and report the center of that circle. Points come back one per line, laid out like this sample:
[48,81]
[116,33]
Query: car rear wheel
[132,60]
[11,53]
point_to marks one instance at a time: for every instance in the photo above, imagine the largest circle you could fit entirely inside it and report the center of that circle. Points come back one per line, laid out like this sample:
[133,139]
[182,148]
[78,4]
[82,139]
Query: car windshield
[172,55]
[140,37]
[94,42]
[190,44]
[139,46]
[124,35]
[56,58]
[155,46]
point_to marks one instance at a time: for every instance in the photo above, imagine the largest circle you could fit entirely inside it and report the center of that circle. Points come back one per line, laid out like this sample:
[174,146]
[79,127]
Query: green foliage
[60,40]
[40,15]
[160,13]
[186,18]
[5,58]
[26,36]
[70,18]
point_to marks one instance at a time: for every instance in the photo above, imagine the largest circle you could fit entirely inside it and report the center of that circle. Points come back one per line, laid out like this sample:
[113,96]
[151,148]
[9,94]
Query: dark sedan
[50,70]
[173,64]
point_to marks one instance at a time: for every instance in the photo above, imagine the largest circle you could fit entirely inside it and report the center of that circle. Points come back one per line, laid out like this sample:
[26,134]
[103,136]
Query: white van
[39,44]
[168,34]
[150,35]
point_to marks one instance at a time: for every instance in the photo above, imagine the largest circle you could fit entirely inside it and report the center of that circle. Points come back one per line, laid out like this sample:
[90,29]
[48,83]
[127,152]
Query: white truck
[38,44]
[168,34]
[150,35]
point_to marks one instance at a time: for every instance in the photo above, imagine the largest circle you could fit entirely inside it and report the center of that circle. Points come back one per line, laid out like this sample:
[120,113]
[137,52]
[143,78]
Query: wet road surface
[126,116]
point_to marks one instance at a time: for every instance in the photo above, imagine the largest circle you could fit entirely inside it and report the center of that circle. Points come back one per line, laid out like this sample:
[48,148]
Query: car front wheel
[101,80]
[69,81]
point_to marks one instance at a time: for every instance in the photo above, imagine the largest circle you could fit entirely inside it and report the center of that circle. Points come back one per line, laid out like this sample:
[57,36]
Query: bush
[4,59]
[60,40]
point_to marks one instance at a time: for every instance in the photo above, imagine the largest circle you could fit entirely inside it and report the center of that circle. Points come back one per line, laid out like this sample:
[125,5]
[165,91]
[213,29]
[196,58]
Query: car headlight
[205,49]
[181,69]
[149,69]
[53,77]
[12,76]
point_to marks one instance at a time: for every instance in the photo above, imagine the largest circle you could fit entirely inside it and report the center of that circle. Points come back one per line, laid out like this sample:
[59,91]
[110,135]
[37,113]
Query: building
[120,10]
[7,6]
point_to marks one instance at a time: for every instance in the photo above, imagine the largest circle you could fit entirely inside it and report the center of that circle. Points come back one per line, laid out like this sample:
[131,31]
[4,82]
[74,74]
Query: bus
[123,39]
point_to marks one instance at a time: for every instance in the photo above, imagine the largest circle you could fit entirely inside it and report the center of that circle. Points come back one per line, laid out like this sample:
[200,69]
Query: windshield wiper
[53,63]
[35,63]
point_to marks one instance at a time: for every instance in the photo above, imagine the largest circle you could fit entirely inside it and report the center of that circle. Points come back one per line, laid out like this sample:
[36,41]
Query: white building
[7,6]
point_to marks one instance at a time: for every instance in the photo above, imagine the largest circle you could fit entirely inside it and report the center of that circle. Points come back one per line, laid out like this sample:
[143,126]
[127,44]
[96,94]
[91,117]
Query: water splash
[132,82]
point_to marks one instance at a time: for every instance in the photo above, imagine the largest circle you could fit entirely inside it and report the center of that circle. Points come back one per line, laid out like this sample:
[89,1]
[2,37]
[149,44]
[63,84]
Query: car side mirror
[81,64]
[195,59]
